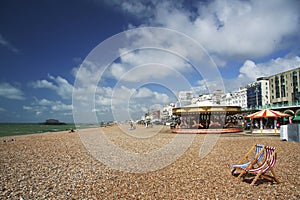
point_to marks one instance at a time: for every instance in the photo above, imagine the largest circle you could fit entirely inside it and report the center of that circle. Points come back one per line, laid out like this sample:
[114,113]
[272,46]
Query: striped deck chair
[258,153]
[266,166]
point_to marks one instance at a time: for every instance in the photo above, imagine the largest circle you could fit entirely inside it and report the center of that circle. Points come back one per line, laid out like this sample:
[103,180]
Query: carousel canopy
[267,113]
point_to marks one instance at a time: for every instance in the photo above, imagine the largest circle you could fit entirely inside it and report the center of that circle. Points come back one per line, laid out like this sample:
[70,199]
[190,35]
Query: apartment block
[284,87]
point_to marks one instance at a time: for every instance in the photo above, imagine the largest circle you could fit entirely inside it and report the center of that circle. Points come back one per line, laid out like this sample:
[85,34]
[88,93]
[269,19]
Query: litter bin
[284,132]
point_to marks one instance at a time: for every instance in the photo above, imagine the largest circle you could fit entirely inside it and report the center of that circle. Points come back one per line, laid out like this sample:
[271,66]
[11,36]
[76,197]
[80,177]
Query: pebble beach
[58,166]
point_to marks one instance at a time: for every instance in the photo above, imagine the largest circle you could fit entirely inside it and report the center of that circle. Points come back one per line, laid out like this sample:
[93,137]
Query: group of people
[146,123]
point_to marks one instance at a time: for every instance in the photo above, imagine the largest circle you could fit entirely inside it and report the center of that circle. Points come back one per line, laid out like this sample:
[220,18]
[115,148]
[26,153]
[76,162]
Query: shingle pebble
[58,166]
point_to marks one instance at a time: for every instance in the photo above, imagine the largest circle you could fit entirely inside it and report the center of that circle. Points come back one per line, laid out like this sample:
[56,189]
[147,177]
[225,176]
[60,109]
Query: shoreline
[15,129]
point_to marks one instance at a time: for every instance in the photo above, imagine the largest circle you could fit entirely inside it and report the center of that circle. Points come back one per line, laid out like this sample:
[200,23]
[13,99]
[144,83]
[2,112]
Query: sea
[10,129]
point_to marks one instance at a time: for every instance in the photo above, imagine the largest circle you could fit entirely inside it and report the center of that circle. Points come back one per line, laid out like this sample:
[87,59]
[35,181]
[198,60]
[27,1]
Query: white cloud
[43,84]
[59,106]
[8,45]
[228,28]
[238,31]
[86,73]
[162,98]
[250,70]
[44,102]
[2,109]
[27,107]
[134,7]
[202,87]
[140,9]
[58,84]
[143,93]
[47,107]
[144,65]
[124,101]
[38,110]
[10,92]
[234,30]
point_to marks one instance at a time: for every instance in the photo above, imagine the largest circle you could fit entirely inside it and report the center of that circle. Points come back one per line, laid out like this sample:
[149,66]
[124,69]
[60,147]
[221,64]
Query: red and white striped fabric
[269,157]
[267,113]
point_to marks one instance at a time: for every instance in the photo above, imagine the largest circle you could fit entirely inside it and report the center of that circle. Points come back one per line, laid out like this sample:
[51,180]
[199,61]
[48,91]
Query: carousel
[208,119]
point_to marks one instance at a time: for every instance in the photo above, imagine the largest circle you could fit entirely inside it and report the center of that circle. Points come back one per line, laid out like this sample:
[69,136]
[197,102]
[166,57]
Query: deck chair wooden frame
[257,152]
[266,166]
[261,169]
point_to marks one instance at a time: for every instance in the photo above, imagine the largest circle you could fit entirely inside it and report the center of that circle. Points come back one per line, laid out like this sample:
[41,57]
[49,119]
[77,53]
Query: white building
[265,94]
[237,98]
[185,97]
[217,95]
[201,98]
[258,93]
[167,111]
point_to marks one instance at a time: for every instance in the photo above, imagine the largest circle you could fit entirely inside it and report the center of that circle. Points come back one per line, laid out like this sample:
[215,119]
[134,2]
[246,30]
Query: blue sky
[45,46]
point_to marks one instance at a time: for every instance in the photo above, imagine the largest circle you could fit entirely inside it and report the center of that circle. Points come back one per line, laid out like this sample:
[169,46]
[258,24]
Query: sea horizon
[23,128]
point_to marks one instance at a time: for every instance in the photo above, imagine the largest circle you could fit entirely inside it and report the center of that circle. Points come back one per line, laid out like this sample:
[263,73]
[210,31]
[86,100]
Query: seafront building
[281,90]
[166,112]
[277,90]
[258,93]
[284,87]
[201,98]
[237,98]
[185,98]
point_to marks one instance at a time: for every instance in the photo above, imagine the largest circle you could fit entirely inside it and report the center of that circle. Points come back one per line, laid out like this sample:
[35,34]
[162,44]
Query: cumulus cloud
[228,31]
[250,70]
[235,31]
[11,92]
[59,106]
[46,107]
[38,110]
[132,66]
[123,95]
[231,29]
[58,84]
[143,93]
[156,97]
[124,101]
[131,102]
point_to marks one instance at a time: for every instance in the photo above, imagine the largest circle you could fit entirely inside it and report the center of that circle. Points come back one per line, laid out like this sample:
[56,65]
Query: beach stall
[267,113]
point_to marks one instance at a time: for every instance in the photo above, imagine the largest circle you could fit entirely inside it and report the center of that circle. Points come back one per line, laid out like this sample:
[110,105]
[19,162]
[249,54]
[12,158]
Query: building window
[295,93]
[277,91]
[282,86]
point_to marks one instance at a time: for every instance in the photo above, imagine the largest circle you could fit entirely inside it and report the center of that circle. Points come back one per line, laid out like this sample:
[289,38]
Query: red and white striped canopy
[267,113]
